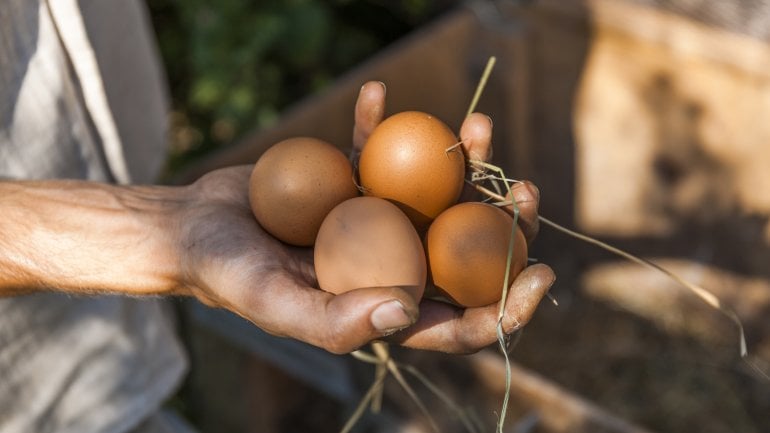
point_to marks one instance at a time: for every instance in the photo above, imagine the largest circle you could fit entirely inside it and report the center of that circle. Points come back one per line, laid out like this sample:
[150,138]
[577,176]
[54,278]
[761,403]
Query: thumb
[359,316]
[339,323]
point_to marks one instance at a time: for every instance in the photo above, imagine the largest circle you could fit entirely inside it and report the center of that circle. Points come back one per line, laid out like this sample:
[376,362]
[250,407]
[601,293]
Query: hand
[229,261]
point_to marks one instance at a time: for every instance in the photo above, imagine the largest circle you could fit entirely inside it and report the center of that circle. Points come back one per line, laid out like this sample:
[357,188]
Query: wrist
[152,217]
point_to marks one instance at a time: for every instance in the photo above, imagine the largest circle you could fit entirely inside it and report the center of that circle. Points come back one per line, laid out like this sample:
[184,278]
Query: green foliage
[234,65]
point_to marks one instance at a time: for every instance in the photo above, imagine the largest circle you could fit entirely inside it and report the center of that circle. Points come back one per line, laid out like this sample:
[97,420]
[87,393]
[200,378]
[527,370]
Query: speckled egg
[295,184]
[369,242]
[411,159]
[467,250]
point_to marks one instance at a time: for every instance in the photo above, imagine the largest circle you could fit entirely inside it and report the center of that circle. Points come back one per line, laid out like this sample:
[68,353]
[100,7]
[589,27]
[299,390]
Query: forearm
[85,237]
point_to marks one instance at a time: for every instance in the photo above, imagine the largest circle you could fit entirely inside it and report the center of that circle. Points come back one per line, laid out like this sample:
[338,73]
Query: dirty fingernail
[390,316]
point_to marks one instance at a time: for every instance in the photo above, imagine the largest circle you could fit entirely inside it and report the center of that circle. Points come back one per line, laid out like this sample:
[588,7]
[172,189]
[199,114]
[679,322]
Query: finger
[527,198]
[337,323]
[447,328]
[369,111]
[476,135]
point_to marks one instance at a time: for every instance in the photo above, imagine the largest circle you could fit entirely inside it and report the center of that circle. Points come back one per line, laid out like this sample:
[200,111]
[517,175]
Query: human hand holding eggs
[283,299]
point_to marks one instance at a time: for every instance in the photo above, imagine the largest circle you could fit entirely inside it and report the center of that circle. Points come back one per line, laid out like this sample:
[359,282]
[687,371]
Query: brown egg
[406,160]
[467,250]
[369,242]
[295,184]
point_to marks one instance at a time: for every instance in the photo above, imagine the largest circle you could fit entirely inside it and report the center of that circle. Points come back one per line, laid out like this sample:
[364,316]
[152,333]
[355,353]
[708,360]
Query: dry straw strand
[708,297]
[482,83]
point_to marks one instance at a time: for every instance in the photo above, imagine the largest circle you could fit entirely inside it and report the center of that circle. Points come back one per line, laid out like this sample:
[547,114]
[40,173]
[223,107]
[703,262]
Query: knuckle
[512,324]
[464,341]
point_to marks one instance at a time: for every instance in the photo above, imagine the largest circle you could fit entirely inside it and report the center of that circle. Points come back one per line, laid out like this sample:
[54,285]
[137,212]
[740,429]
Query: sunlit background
[643,122]
[234,65]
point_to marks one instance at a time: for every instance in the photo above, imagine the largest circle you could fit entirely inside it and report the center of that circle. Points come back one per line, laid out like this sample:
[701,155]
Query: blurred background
[234,66]
[643,122]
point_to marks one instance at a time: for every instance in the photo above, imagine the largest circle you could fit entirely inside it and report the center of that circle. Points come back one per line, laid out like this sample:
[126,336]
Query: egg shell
[406,160]
[467,250]
[369,242]
[295,184]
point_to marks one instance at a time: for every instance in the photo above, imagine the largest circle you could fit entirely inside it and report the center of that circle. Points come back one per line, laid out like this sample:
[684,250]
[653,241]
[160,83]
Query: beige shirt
[82,96]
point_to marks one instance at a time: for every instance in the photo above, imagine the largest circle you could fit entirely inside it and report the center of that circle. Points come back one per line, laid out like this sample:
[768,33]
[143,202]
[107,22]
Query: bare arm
[86,237]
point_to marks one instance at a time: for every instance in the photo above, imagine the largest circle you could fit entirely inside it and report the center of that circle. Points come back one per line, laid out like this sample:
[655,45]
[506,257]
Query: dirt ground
[629,366]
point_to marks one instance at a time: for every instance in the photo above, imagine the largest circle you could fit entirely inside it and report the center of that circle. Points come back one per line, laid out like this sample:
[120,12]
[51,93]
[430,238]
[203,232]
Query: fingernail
[390,317]
[384,87]
[491,123]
